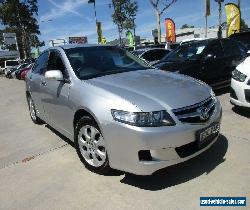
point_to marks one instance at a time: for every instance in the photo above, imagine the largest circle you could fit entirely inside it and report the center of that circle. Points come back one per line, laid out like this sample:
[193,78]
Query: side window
[159,54]
[41,63]
[232,48]
[55,63]
[148,56]
[214,49]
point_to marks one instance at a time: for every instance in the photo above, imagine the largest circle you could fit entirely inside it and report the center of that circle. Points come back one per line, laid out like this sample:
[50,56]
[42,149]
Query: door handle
[43,83]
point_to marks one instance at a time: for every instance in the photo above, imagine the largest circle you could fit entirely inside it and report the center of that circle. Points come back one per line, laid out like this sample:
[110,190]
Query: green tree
[20,17]
[243,25]
[186,26]
[124,15]
[160,6]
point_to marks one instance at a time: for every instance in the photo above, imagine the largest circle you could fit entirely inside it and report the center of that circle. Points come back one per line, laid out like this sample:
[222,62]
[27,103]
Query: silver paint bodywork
[143,90]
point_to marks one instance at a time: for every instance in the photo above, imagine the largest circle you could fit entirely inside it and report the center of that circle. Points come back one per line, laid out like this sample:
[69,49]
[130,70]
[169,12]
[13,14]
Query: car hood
[244,67]
[151,90]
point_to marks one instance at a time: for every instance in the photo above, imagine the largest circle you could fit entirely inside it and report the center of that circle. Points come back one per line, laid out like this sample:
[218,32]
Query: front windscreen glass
[189,51]
[91,62]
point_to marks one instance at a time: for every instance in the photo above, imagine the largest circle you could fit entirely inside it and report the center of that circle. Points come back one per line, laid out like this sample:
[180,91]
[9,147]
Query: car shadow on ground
[244,112]
[64,138]
[222,91]
[183,172]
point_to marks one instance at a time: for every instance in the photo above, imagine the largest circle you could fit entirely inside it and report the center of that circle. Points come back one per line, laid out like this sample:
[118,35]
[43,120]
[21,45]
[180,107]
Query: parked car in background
[151,55]
[12,72]
[240,85]
[27,67]
[243,37]
[119,111]
[211,60]
[25,71]
[9,65]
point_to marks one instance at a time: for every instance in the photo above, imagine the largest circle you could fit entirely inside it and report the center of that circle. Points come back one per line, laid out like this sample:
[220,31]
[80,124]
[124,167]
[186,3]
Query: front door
[55,96]
[35,82]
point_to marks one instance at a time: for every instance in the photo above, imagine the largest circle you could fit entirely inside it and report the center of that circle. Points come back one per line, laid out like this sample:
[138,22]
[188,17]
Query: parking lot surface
[39,169]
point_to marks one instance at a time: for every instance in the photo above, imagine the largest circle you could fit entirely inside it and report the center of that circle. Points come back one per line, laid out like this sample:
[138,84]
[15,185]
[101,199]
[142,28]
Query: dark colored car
[151,55]
[211,60]
[243,37]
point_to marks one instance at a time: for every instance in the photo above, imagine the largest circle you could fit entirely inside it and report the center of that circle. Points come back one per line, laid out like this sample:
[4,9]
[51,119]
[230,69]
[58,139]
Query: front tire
[33,113]
[90,146]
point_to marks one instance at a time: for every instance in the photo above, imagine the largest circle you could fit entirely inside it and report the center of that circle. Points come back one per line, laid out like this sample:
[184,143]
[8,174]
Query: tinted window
[159,54]
[233,48]
[41,63]
[214,49]
[55,62]
[90,62]
[188,51]
[154,55]
[149,56]
[242,37]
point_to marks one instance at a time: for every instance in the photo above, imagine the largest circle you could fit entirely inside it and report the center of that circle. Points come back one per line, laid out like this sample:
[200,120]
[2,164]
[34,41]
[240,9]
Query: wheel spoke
[96,162]
[101,154]
[86,154]
[100,142]
[85,133]
[82,142]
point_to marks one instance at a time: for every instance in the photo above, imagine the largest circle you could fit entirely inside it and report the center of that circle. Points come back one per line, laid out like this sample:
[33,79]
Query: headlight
[238,76]
[143,119]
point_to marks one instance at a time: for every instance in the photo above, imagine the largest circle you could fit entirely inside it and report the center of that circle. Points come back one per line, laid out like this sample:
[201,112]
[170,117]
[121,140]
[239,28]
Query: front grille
[247,95]
[233,94]
[197,113]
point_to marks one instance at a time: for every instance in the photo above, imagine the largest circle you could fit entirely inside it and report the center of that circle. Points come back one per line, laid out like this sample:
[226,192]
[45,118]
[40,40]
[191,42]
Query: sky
[76,17]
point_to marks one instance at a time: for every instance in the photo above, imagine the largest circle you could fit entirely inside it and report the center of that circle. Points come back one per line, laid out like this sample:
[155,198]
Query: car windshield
[187,51]
[91,62]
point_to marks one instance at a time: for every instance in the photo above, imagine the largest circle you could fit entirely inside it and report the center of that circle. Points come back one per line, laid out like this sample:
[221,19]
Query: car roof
[71,46]
[147,49]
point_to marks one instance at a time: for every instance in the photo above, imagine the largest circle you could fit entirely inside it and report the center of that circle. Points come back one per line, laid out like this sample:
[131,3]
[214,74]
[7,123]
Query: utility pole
[93,2]
[239,4]
[207,13]
[134,28]
[219,19]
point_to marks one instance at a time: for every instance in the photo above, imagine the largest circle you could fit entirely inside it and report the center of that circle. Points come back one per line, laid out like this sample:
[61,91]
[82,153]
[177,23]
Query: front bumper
[124,142]
[240,92]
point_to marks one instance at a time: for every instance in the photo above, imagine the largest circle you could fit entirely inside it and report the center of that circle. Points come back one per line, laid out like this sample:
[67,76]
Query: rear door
[211,70]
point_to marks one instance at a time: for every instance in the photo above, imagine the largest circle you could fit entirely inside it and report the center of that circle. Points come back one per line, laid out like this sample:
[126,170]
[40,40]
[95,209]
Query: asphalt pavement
[39,169]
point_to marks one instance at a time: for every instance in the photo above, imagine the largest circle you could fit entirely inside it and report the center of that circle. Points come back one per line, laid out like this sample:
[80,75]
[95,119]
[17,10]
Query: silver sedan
[120,112]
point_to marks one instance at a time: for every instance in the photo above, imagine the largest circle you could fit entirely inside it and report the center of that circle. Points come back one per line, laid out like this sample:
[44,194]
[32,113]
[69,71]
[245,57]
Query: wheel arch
[81,112]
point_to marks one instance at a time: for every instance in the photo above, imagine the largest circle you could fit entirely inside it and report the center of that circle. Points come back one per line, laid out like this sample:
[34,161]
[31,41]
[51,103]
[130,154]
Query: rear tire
[90,146]
[33,112]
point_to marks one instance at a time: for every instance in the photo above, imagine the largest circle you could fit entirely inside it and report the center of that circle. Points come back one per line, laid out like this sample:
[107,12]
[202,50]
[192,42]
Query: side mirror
[54,75]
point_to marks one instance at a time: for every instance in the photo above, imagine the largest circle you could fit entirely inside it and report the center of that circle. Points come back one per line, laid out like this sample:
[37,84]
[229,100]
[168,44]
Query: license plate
[208,132]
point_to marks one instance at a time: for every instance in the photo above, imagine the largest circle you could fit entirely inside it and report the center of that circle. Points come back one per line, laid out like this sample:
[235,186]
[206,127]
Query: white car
[240,84]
